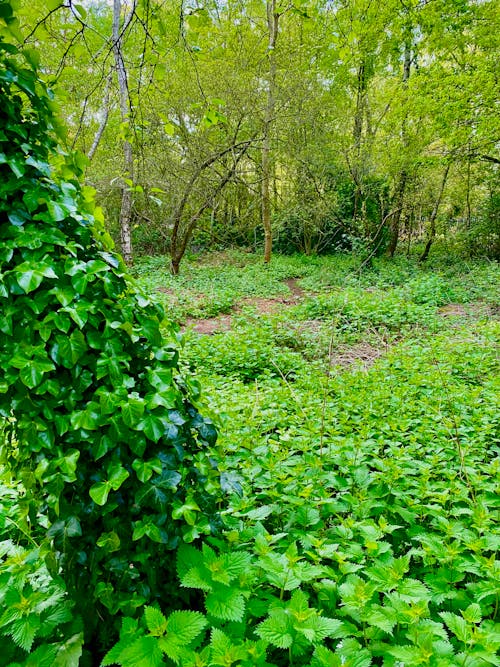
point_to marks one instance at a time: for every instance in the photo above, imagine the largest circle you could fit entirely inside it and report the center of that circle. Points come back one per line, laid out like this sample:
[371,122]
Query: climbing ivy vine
[103,431]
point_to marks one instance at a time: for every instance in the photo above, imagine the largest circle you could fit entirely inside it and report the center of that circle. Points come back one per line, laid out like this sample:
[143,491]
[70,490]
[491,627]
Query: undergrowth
[362,526]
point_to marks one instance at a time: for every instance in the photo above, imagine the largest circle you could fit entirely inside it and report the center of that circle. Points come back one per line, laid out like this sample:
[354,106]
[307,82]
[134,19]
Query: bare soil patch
[264,306]
[210,325]
[362,355]
[476,309]
[294,287]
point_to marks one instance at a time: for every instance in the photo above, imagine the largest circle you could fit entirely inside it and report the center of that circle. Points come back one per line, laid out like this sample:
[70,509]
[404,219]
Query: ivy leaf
[132,411]
[29,280]
[117,475]
[31,376]
[109,542]
[153,427]
[67,350]
[99,492]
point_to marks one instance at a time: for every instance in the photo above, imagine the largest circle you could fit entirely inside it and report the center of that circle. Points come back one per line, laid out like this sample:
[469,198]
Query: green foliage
[367,530]
[106,433]
[38,625]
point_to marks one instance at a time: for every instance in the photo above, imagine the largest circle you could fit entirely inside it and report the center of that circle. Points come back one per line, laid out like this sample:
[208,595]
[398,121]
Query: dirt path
[263,305]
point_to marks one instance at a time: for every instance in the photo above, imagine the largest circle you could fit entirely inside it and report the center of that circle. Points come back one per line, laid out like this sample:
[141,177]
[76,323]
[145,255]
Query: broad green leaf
[29,279]
[225,603]
[70,652]
[153,427]
[132,411]
[155,621]
[117,475]
[99,492]
[31,376]
[457,625]
[185,626]
[143,652]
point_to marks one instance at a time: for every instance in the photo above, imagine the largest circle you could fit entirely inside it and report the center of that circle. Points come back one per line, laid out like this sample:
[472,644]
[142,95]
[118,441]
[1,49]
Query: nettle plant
[105,434]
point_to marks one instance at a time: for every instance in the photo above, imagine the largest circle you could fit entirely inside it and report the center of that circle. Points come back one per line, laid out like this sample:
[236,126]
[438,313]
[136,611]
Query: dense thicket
[363,122]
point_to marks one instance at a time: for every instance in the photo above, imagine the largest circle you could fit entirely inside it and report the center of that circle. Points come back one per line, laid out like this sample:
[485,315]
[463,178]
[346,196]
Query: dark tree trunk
[434,214]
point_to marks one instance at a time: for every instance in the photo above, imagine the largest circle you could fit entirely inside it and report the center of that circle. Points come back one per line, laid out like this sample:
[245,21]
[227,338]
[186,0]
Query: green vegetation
[359,450]
[314,124]
[332,498]
[363,526]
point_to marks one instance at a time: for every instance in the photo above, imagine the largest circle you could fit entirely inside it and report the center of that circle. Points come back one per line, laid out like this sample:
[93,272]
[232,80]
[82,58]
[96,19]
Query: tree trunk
[128,155]
[399,192]
[104,118]
[435,210]
[272,25]
[468,206]
[357,135]
[181,233]
[397,204]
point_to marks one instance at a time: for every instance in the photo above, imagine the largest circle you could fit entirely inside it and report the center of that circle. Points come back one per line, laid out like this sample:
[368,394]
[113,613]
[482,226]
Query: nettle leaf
[143,652]
[457,625]
[473,613]
[225,603]
[185,626]
[413,590]
[23,631]
[384,618]
[276,630]
[155,621]
[224,651]
[352,654]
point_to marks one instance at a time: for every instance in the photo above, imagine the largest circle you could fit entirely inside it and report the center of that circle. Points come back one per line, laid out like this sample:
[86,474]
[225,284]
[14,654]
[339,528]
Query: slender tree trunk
[128,155]
[357,134]
[468,220]
[272,25]
[104,118]
[397,205]
[435,210]
[399,192]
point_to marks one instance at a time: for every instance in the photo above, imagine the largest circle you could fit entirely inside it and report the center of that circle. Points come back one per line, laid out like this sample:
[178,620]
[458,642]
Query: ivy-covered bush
[106,435]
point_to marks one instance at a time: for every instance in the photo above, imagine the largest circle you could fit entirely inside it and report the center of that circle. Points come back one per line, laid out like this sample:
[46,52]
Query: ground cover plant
[363,522]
